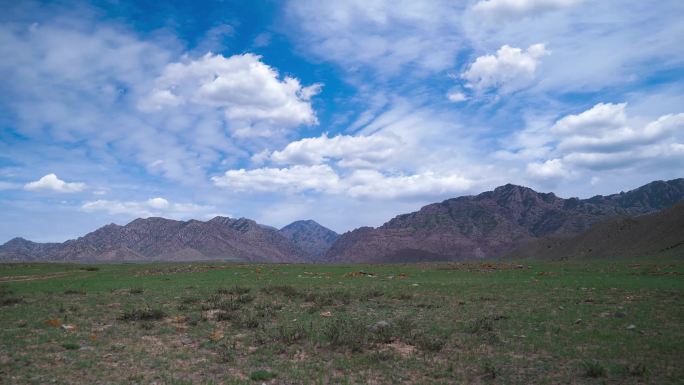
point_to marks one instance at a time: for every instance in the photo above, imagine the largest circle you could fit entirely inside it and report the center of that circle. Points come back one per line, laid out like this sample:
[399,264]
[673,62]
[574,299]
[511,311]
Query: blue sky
[345,112]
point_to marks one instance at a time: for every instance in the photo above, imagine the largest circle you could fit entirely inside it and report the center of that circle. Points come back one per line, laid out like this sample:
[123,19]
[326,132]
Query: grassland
[534,323]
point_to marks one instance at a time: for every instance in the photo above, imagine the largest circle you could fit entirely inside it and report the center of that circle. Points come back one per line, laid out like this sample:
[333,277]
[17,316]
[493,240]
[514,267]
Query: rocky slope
[310,236]
[658,234]
[168,240]
[493,223]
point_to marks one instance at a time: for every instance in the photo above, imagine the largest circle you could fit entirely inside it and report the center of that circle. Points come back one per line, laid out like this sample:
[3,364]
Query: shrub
[346,333]
[145,314]
[428,342]
[74,292]
[235,290]
[262,375]
[480,325]
[291,334]
[285,290]
[593,369]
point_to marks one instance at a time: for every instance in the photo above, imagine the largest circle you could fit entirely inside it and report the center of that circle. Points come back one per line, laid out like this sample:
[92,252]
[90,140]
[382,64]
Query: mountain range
[160,239]
[510,220]
[660,233]
[493,223]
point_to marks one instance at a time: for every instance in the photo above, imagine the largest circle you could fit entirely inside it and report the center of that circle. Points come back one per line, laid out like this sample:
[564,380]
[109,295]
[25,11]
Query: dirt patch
[401,348]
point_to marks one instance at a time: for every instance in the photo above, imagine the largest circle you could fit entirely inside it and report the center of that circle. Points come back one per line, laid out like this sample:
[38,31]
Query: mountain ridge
[155,238]
[491,223]
[486,225]
[659,233]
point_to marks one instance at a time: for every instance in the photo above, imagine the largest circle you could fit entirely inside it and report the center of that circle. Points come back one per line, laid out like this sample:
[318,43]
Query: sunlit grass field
[472,323]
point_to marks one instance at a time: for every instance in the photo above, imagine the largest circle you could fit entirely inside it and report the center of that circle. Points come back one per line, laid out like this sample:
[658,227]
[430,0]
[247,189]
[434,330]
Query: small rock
[326,314]
[578,321]
[631,327]
[561,308]
[380,325]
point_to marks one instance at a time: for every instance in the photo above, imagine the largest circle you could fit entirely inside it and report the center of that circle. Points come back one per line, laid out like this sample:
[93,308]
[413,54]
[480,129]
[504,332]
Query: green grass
[546,323]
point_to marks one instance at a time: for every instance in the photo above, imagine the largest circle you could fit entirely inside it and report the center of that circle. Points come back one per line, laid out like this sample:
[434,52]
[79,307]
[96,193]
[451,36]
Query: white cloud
[358,184]
[380,34]
[51,182]
[551,169]
[291,180]
[374,184]
[456,96]
[511,69]
[350,151]
[605,129]
[151,207]
[504,9]
[604,137]
[250,94]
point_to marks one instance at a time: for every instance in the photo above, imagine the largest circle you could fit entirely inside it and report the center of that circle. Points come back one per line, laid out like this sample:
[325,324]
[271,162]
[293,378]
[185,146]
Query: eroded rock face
[493,223]
[310,236]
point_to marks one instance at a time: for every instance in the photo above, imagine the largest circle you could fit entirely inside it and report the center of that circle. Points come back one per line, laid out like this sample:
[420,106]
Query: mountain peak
[310,236]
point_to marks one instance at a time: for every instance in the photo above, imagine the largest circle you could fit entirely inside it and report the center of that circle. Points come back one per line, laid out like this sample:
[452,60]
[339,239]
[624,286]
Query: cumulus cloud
[250,94]
[358,184]
[374,184]
[505,9]
[549,170]
[152,207]
[511,69]
[349,151]
[293,179]
[604,137]
[51,182]
[605,129]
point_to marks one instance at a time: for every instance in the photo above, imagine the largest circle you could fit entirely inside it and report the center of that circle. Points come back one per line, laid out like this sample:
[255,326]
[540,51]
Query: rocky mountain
[493,223]
[310,236]
[153,239]
[658,234]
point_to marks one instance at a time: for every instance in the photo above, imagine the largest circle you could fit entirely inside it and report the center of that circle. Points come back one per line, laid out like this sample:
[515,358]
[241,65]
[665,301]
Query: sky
[346,112]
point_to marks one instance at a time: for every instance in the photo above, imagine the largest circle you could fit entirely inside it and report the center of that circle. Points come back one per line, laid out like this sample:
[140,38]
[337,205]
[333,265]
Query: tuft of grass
[71,346]
[593,369]
[480,325]
[8,301]
[429,342]
[489,370]
[135,290]
[7,298]
[346,333]
[74,292]
[89,268]
[235,290]
[638,370]
[244,299]
[290,334]
[189,300]
[247,321]
[284,290]
[262,375]
[144,314]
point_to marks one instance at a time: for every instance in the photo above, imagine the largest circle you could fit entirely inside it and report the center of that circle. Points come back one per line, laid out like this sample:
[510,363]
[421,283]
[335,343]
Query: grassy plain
[473,323]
